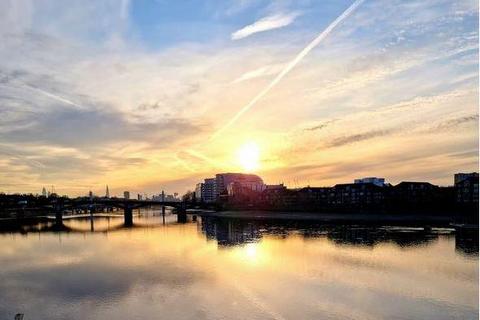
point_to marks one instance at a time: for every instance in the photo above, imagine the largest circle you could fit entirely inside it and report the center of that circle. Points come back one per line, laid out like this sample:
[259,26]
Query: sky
[158,95]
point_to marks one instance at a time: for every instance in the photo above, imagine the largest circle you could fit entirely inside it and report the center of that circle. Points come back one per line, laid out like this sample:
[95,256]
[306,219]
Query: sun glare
[248,156]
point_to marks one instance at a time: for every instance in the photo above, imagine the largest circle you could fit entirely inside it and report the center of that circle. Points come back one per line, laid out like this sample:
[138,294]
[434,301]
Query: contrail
[212,162]
[290,65]
[54,96]
[45,93]
[34,163]
[183,163]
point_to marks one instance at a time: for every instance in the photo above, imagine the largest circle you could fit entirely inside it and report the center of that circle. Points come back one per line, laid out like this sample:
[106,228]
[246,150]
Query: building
[459,177]
[44,192]
[107,192]
[466,197]
[414,196]
[356,195]
[126,195]
[273,196]
[199,189]
[166,197]
[376,181]
[212,189]
[277,187]
[171,198]
[466,188]
[157,197]
[237,187]
[242,195]
[139,197]
[314,197]
[222,180]
[414,190]
[209,188]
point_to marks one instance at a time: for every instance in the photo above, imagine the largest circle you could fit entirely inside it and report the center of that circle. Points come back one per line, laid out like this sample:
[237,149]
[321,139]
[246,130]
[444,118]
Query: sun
[248,156]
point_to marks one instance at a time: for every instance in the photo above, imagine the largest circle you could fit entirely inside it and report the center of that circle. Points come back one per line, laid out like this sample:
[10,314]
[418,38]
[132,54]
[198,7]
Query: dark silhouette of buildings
[466,187]
[367,195]
[466,197]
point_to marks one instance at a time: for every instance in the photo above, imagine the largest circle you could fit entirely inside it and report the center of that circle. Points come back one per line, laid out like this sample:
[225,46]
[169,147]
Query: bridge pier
[58,217]
[128,216]
[182,217]
[59,208]
[182,213]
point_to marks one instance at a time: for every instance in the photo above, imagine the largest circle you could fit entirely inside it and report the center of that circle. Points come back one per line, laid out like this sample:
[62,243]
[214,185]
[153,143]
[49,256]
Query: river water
[214,268]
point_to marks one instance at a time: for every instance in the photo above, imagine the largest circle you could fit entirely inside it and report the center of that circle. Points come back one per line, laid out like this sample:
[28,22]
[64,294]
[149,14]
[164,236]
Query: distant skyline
[131,93]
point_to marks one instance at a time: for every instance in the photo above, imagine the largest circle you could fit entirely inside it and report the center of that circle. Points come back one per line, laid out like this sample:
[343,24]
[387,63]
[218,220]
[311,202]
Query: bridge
[60,206]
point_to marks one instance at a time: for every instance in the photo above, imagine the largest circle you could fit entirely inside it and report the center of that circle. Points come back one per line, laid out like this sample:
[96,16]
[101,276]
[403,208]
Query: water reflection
[231,232]
[466,242]
[264,270]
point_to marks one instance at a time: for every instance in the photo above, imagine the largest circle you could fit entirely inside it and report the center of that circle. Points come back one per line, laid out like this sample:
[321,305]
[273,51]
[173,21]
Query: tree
[188,196]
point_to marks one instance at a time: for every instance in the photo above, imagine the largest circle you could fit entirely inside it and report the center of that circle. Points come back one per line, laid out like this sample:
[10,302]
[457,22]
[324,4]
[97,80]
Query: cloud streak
[257,73]
[397,76]
[341,141]
[291,65]
[453,123]
[320,126]
[265,24]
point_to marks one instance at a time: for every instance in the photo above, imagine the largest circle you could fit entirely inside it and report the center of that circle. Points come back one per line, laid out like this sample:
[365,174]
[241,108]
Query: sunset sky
[138,94]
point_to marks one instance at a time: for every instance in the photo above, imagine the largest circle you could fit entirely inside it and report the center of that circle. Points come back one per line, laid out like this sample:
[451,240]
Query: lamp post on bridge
[58,209]
[163,204]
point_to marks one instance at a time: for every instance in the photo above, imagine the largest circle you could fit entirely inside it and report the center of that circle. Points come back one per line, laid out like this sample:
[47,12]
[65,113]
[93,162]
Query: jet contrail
[34,163]
[212,162]
[290,66]
[183,163]
[45,93]
[54,96]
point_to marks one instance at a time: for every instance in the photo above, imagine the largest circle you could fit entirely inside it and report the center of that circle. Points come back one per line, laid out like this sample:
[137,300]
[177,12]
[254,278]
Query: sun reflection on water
[243,270]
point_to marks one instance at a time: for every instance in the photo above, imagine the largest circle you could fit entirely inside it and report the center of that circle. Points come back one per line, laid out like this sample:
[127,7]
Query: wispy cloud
[320,126]
[266,23]
[401,81]
[260,72]
[454,123]
[237,6]
[124,7]
[338,142]
[299,57]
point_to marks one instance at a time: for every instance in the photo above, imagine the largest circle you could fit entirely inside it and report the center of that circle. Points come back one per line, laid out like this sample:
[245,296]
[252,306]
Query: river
[221,268]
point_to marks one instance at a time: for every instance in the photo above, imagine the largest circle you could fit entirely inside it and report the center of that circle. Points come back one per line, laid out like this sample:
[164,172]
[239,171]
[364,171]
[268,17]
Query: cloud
[124,7]
[348,139]
[453,123]
[237,6]
[73,127]
[266,23]
[90,112]
[321,126]
[260,72]
[291,65]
